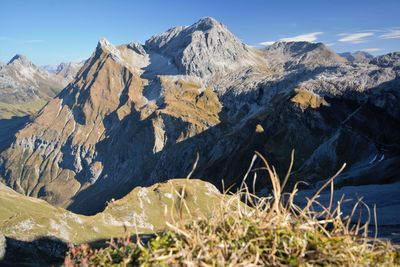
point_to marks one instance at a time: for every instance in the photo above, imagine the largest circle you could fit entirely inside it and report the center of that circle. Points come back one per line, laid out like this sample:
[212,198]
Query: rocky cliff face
[137,114]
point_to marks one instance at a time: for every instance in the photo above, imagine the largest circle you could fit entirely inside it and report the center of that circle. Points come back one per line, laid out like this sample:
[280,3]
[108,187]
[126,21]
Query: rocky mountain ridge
[138,114]
[357,56]
[66,70]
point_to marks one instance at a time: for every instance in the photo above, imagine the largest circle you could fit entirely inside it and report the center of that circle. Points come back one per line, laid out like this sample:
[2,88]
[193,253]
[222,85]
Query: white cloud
[267,43]
[355,38]
[374,49]
[391,34]
[308,37]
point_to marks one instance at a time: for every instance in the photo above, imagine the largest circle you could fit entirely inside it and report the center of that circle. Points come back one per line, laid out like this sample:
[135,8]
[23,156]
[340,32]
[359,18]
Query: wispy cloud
[374,49]
[308,37]
[391,34]
[355,38]
[33,41]
[266,43]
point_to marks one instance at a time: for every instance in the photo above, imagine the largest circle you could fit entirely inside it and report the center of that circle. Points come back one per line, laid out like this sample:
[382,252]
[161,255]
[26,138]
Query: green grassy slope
[8,111]
[144,210]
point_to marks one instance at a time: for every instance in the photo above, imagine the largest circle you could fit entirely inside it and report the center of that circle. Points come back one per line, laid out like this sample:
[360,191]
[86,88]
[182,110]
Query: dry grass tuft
[306,99]
[251,231]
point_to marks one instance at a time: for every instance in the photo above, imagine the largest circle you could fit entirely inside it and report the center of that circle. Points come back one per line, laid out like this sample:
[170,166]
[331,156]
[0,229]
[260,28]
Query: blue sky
[49,31]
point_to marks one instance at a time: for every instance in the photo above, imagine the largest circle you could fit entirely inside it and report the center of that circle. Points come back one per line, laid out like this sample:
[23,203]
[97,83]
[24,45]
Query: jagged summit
[21,59]
[203,49]
[207,23]
[104,45]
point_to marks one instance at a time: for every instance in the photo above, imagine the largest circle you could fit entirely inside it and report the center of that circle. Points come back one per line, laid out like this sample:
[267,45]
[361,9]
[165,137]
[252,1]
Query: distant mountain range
[25,88]
[357,57]
[136,114]
[66,70]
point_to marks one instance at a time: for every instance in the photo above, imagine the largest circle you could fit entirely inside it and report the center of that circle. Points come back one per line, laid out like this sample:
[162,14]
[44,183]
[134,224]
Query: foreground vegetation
[251,231]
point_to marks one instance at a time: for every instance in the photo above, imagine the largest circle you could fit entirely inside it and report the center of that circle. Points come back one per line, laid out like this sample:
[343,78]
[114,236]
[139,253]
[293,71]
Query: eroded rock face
[138,114]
